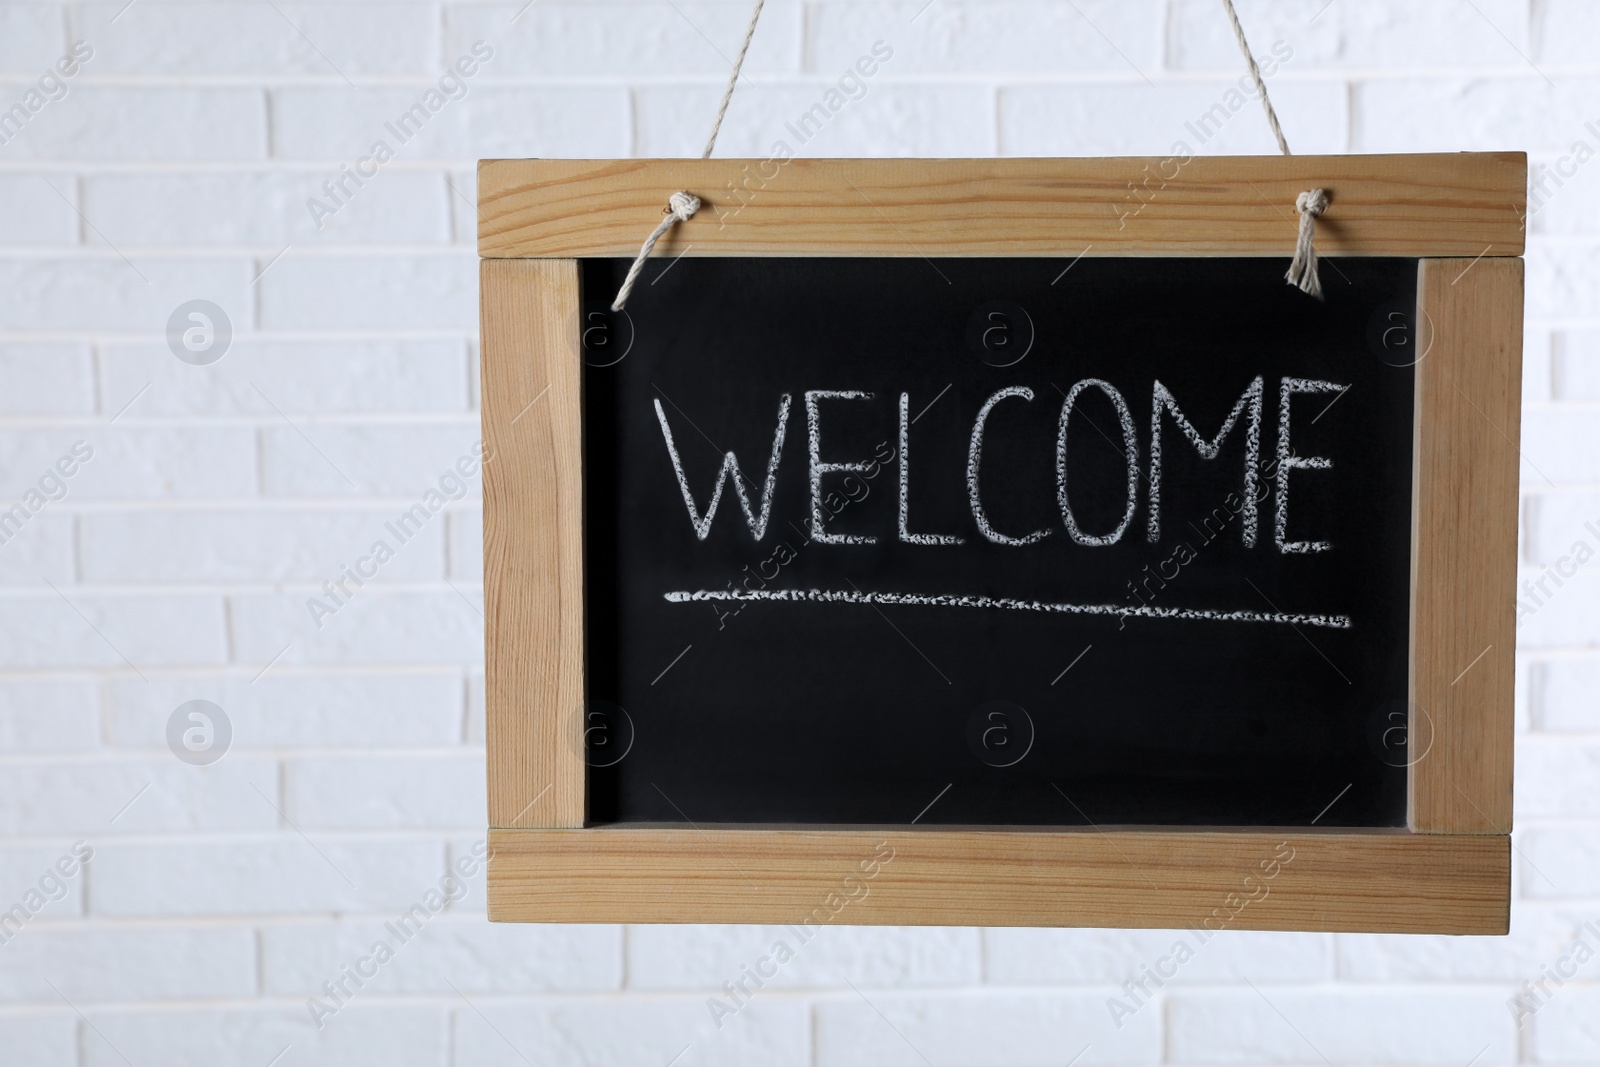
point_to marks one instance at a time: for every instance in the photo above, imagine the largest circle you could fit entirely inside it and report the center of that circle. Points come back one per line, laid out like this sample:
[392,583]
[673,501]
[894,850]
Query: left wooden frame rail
[1449,872]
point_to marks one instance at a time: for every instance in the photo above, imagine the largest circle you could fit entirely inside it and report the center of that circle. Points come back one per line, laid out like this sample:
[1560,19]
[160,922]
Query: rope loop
[1303,272]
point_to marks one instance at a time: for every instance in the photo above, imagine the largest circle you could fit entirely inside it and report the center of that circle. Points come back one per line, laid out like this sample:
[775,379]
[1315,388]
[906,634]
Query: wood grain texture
[533,542]
[1464,545]
[1456,204]
[1379,881]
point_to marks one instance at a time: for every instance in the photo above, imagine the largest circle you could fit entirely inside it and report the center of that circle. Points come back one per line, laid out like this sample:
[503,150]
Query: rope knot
[682,206]
[1303,268]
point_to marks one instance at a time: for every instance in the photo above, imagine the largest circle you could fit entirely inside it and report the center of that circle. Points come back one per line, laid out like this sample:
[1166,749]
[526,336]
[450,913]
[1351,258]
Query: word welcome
[342,188]
[853,888]
[51,486]
[52,885]
[52,86]
[1247,412]
[352,978]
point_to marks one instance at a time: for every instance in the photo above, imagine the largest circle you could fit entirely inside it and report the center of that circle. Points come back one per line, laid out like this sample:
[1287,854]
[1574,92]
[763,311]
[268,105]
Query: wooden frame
[1460,214]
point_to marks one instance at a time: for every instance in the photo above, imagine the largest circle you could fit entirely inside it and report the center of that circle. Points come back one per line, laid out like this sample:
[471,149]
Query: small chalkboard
[1119,541]
[1001,542]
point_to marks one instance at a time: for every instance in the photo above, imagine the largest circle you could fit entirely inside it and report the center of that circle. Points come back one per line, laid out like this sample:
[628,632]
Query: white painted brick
[1434,34]
[1540,934]
[32,35]
[26,869]
[1471,115]
[394,207]
[1564,695]
[188,547]
[867,1029]
[625,41]
[44,630]
[1570,615]
[1146,120]
[705,957]
[1111,957]
[131,796]
[466,545]
[1340,1027]
[104,963]
[625,1033]
[131,462]
[436,292]
[1563,281]
[1537,365]
[1003,38]
[281,709]
[1560,187]
[36,213]
[125,123]
[342,124]
[114,294]
[1566,1029]
[469,953]
[264,875]
[1559,862]
[48,716]
[39,550]
[378,626]
[39,1040]
[1560,28]
[475,707]
[282,39]
[882,120]
[295,377]
[1576,373]
[1561,445]
[385,792]
[358,1036]
[44,378]
[1558,523]
[382,460]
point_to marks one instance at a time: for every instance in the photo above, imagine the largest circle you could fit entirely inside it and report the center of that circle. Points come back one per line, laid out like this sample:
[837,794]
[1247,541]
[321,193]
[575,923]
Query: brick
[32,35]
[385,792]
[1471,115]
[263,874]
[31,868]
[43,630]
[284,709]
[474,956]
[1112,957]
[1289,1026]
[377,626]
[1540,934]
[1562,282]
[1568,615]
[130,462]
[358,1036]
[39,1040]
[475,707]
[1003,39]
[981,1029]
[39,550]
[1554,446]
[881,120]
[624,1033]
[48,716]
[122,964]
[330,40]
[1139,119]
[382,460]
[1431,34]
[1559,861]
[343,124]
[114,294]
[705,957]
[1559,29]
[1576,371]
[128,123]
[1558,524]
[466,545]
[39,207]
[619,42]
[123,796]
[44,378]
[1559,186]
[1563,695]
[1566,1029]
[434,292]
[1537,365]
[277,545]
[153,210]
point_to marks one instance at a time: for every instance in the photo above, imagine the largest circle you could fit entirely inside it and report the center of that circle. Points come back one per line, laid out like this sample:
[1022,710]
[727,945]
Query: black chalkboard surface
[1196,640]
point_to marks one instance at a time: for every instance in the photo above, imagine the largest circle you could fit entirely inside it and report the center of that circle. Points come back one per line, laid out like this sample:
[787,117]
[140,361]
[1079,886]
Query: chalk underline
[939,600]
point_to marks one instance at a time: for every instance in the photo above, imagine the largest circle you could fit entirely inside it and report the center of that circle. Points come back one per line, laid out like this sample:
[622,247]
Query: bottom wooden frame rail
[1373,881]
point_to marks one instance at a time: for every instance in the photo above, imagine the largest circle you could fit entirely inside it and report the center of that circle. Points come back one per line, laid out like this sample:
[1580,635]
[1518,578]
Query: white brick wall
[218,498]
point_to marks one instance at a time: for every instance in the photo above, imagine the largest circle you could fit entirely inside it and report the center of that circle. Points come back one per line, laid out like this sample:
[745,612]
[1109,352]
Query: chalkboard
[950,582]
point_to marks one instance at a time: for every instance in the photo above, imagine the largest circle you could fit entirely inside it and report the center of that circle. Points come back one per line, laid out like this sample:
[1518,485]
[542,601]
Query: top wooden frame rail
[1458,204]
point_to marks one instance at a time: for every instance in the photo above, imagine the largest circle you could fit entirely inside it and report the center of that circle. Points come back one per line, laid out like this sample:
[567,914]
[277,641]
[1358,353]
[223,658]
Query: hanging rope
[1310,204]
[682,205]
